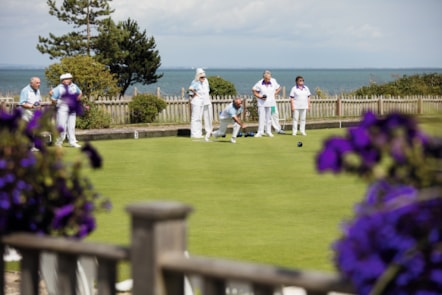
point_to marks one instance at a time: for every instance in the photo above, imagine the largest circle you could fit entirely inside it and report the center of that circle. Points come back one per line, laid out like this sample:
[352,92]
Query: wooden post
[380,106]
[29,267]
[158,92]
[339,107]
[420,106]
[157,227]
[135,91]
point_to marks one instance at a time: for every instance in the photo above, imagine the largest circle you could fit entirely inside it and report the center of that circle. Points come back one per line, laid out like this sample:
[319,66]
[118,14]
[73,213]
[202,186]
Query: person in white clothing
[201,106]
[231,114]
[265,90]
[300,103]
[30,99]
[66,96]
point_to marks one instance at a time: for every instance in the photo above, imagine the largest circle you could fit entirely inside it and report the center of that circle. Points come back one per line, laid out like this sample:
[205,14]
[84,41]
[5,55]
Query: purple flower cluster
[39,191]
[391,148]
[393,245]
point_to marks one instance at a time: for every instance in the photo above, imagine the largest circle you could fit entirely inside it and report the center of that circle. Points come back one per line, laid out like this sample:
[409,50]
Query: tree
[93,78]
[85,15]
[129,53]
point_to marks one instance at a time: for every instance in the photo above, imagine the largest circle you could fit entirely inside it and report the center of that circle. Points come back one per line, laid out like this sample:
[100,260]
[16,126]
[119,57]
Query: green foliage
[320,93]
[252,110]
[425,84]
[93,117]
[93,78]
[85,16]
[221,87]
[129,53]
[144,108]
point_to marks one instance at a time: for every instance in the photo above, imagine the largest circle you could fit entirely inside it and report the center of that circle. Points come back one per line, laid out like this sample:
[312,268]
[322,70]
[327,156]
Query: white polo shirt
[268,89]
[300,97]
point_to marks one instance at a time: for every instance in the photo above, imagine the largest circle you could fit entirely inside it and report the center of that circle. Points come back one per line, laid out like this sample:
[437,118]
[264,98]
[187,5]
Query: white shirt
[267,89]
[202,96]
[300,97]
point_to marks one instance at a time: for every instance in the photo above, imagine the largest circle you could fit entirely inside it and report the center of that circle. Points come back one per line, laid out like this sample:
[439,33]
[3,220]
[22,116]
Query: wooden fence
[157,260]
[178,108]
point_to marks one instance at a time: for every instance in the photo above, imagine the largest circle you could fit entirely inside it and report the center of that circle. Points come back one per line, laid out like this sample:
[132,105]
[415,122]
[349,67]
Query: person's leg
[62,120]
[208,118]
[72,118]
[236,128]
[275,119]
[295,121]
[222,127]
[261,121]
[268,121]
[303,117]
[195,121]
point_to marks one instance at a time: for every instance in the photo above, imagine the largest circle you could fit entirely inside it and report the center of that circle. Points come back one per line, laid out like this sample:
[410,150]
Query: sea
[329,81]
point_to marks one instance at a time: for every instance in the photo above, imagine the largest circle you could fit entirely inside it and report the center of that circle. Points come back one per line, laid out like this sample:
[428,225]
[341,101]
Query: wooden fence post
[338,107]
[380,106]
[157,227]
[420,106]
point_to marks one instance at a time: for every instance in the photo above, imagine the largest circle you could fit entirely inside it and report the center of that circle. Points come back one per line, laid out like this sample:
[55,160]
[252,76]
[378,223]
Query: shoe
[207,137]
[269,134]
[281,132]
[233,140]
[11,255]
[294,133]
[197,137]
[303,133]
[258,134]
[75,145]
[34,149]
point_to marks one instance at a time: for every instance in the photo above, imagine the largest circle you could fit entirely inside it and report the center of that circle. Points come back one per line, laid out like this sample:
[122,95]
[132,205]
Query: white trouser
[67,122]
[264,119]
[223,123]
[196,126]
[299,114]
[275,119]
[208,118]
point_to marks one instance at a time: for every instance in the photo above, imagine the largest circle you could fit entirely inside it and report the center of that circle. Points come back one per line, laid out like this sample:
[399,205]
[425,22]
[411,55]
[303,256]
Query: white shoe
[124,286]
[294,133]
[207,137]
[303,133]
[269,134]
[34,149]
[75,145]
[258,134]
[233,140]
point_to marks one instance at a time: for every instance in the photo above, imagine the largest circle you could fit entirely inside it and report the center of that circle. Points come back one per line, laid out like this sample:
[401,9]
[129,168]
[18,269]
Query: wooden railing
[178,108]
[158,264]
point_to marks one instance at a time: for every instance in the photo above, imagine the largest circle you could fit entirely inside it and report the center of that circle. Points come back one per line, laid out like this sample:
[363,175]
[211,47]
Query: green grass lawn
[259,200]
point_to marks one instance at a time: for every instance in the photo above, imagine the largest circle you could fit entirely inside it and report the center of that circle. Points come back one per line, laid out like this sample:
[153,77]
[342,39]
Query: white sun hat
[65,76]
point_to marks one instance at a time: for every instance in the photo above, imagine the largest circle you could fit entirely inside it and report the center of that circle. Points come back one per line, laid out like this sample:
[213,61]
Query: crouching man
[231,114]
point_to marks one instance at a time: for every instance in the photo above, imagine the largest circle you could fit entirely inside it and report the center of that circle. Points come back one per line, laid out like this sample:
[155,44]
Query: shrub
[220,87]
[93,117]
[144,108]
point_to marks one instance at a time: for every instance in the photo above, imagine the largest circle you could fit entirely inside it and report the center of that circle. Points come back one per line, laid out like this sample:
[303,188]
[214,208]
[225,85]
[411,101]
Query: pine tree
[86,16]
[129,53]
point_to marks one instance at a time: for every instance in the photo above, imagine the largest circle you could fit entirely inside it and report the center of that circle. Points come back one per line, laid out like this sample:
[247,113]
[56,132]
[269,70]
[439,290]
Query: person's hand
[264,96]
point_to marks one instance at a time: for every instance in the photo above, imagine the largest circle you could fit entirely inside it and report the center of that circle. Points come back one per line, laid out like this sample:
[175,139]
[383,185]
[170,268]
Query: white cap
[200,72]
[65,76]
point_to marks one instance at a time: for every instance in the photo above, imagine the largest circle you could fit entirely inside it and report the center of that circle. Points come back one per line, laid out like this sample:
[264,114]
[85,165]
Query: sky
[253,33]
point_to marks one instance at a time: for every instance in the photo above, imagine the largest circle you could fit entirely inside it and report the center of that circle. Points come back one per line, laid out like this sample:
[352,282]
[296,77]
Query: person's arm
[292,104]
[308,101]
[238,121]
[277,91]
[258,95]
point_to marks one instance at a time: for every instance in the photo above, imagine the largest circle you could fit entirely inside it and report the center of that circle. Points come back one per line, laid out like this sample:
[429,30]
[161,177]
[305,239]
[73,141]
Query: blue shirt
[230,112]
[60,90]
[29,95]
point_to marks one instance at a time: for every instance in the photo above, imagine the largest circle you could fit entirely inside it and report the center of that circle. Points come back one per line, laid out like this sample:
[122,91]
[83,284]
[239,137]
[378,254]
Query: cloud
[314,33]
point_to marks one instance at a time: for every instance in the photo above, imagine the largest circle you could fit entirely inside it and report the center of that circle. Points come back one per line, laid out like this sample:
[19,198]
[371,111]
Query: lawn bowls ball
[299,143]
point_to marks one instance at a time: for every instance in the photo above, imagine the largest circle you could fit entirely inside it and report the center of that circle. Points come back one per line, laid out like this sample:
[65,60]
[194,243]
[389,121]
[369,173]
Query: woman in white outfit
[201,106]
[300,102]
[66,118]
[265,90]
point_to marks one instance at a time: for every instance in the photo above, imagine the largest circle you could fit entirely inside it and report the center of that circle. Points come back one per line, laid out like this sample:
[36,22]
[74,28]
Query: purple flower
[331,157]
[94,157]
